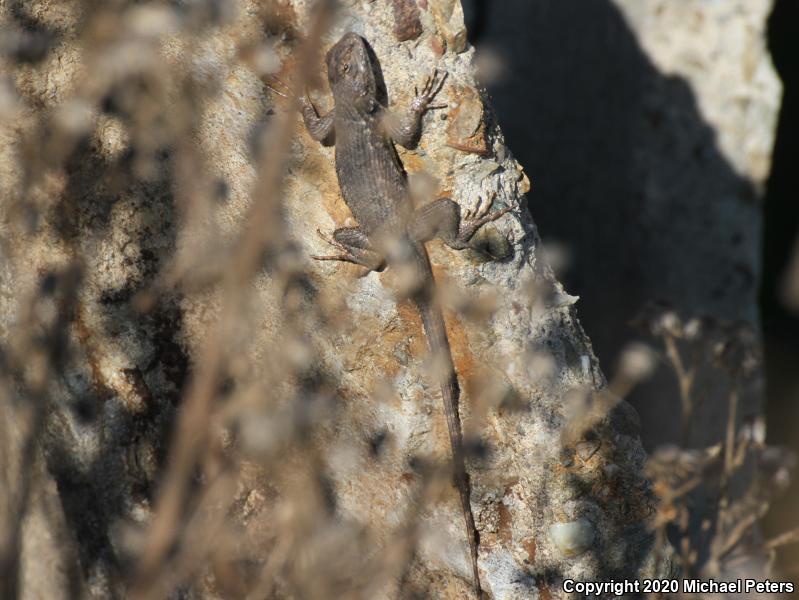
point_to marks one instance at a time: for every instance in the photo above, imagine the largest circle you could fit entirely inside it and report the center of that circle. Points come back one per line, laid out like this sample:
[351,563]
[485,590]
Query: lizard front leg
[443,219]
[406,130]
[319,127]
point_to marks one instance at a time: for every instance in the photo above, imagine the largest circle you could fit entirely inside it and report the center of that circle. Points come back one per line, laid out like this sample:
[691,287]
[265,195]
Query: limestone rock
[310,481]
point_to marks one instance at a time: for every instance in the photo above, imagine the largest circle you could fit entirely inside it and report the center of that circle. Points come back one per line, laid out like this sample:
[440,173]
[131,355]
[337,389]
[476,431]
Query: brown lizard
[390,231]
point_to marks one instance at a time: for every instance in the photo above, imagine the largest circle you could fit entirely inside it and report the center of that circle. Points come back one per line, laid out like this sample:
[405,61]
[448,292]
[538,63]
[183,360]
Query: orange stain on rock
[408,478]
[462,357]
[505,522]
[411,326]
[543,592]
[317,168]
[412,162]
[530,547]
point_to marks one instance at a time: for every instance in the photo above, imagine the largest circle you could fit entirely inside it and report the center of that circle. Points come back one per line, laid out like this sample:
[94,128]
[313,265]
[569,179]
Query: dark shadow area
[781,234]
[107,433]
[626,174]
[126,440]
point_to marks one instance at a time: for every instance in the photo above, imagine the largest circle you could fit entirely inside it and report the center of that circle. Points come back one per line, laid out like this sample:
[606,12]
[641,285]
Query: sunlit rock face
[326,451]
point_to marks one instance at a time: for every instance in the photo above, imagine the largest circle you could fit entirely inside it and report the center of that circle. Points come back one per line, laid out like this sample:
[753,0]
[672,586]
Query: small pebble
[572,538]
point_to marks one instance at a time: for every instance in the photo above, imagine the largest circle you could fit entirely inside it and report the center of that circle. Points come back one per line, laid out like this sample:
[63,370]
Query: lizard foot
[473,219]
[345,256]
[287,92]
[325,237]
[432,86]
[339,257]
[364,257]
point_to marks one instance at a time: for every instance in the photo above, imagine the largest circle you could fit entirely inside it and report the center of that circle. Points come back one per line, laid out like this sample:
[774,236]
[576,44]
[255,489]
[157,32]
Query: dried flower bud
[637,362]
[693,329]
[739,350]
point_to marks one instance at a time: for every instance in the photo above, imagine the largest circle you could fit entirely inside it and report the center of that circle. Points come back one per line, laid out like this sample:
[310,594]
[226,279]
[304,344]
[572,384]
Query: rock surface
[130,152]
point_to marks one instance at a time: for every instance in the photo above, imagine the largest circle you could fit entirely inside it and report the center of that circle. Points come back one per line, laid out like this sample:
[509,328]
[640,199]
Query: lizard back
[378,195]
[370,174]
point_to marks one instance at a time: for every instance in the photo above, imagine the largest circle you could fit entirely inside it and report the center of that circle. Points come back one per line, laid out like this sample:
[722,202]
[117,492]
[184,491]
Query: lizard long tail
[436,333]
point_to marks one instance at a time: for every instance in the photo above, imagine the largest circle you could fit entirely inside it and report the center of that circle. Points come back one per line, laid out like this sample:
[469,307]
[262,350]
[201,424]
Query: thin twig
[789,537]
[194,417]
[685,381]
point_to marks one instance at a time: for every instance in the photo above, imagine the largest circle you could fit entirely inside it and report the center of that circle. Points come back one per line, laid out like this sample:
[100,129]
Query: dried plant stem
[737,532]
[11,545]
[661,542]
[729,461]
[789,537]
[261,229]
[33,392]
[729,446]
[685,381]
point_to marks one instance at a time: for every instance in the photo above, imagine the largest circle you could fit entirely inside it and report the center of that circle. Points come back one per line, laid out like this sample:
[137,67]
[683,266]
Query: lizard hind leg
[354,248]
[444,219]
[474,219]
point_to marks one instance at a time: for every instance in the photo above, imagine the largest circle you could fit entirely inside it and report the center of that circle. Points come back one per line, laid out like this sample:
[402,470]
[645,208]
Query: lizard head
[351,71]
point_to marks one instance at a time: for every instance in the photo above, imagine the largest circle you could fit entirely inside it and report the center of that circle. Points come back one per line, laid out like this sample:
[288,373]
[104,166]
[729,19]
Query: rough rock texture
[100,182]
[649,127]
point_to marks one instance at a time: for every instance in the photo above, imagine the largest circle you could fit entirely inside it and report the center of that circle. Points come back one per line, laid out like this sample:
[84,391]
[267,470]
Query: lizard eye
[345,67]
